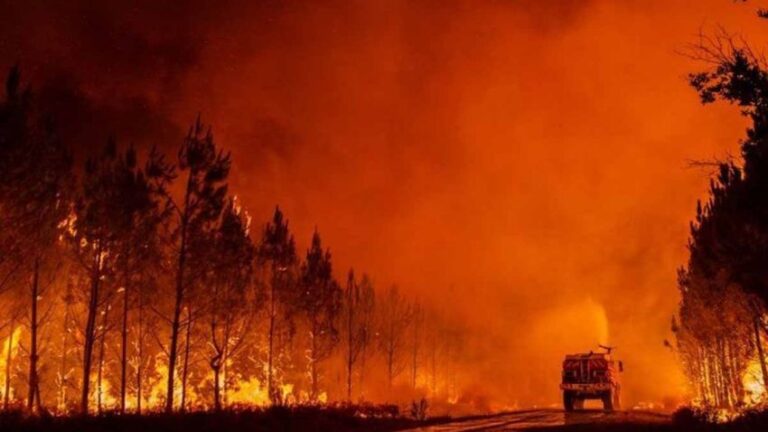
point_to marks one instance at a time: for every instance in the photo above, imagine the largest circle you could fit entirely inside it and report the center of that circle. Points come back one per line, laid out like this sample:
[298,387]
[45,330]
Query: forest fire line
[142,288]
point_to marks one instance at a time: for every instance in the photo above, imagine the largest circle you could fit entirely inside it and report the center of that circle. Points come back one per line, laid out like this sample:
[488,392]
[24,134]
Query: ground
[347,419]
[551,419]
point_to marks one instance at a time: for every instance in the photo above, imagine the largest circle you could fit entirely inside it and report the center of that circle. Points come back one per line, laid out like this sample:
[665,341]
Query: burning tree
[319,300]
[394,317]
[721,326]
[357,311]
[93,240]
[277,259]
[204,194]
[232,305]
[35,179]
[150,289]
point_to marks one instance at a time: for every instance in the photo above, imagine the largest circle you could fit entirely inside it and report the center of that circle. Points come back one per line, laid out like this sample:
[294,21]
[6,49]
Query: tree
[232,303]
[93,240]
[116,238]
[723,291]
[416,324]
[35,177]
[357,311]
[394,316]
[277,256]
[319,300]
[139,243]
[204,194]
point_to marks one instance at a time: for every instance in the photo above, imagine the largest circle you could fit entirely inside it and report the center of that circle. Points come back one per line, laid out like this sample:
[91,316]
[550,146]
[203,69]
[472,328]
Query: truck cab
[591,376]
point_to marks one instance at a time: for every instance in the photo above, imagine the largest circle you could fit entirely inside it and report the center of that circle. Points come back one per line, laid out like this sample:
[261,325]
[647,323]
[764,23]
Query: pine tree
[232,304]
[394,315]
[319,301]
[204,193]
[35,179]
[357,313]
[277,257]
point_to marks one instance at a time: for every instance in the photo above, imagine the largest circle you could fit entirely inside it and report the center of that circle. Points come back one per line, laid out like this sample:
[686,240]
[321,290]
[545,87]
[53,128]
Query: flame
[754,385]
[254,392]
[5,356]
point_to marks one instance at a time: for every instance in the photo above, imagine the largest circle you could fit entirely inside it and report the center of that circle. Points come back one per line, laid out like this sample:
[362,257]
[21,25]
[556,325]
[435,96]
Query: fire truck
[591,376]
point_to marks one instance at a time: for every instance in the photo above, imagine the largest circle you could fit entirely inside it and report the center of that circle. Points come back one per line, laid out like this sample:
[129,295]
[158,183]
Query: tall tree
[232,304]
[277,257]
[319,301]
[357,312]
[116,239]
[366,319]
[35,178]
[204,193]
[93,241]
[139,244]
[416,328]
[394,315]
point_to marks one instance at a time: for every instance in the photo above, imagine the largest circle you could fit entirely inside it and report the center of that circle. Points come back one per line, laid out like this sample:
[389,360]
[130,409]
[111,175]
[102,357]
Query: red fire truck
[591,376]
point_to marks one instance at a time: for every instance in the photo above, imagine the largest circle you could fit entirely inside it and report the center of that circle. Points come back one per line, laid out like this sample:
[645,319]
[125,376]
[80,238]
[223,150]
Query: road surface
[520,420]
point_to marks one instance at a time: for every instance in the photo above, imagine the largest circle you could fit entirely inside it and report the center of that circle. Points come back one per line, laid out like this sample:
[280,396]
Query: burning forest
[139,283]
[346,216]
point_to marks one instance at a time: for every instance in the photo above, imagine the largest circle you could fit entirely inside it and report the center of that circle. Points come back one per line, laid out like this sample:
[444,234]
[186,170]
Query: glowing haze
[522,164]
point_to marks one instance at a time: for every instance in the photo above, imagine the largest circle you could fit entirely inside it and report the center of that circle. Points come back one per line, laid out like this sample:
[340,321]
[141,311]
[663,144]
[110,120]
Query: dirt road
[520,420]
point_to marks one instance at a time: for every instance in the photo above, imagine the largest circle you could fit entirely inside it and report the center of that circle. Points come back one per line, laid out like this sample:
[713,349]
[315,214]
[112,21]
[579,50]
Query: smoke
[519,164]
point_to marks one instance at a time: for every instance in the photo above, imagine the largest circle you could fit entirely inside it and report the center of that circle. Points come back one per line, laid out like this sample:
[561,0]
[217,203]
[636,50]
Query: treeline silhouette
[134,281]
[721,328]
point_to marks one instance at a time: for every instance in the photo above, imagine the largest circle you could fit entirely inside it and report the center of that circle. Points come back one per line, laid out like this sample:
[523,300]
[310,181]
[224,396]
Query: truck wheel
[608,401]
[567,401]
[578,403]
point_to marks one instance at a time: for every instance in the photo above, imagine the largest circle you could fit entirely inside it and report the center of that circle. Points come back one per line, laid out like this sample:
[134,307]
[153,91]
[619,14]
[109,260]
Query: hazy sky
[522,164]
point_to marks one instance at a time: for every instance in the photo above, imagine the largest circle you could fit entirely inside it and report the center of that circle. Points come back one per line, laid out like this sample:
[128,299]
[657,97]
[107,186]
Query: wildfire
[754,387]
[8,351]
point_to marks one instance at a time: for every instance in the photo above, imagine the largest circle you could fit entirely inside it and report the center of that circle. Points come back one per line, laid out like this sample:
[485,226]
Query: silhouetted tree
[139,243]
[723,290]
[319,300]
[394,316]
[357,312]
[93,240]
[205,189]
[277,256]
[232,303]
[35,179]
[416,327]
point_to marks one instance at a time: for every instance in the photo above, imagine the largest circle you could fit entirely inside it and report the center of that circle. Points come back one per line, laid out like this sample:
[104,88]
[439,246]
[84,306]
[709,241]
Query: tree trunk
[390,367]
[8,358]
[313,360]
[100,372]
[350,342]
[185,371]
[760,353]
[176,322]
[414,365]
[271,337]
[90,326]
[62,399]
[124,348]
[140,354]
[175,327]
[216,385]
[33,355]
[434,367]
[361,370]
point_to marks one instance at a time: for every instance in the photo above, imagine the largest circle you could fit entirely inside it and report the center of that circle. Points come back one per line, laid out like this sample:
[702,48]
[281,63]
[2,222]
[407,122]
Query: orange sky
[523,164]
